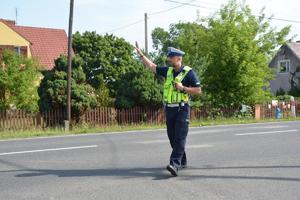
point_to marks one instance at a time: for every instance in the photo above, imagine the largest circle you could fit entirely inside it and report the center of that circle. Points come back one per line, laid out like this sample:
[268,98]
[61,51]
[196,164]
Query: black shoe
[173,170]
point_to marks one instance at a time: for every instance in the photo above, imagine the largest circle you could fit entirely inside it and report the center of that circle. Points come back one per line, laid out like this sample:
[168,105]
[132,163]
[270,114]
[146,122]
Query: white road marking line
[199,146]
[44,150]
[199,132]
[268,127]
[153,141]
[267,132]
[246,124]
[167,141]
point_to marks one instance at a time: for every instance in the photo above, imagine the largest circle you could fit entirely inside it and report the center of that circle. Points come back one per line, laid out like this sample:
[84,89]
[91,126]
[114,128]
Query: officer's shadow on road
[159,173]
[23,171]
[127,173]
[154,173]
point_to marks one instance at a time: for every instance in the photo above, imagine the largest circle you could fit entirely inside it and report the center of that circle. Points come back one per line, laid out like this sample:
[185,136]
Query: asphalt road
[239,162]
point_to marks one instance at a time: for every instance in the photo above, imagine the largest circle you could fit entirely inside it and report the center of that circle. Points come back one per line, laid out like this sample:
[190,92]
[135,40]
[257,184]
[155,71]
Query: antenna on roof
[16,12]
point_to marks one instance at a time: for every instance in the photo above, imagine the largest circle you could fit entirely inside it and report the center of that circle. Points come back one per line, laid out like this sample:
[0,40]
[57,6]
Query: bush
[19,80]
[53,94]
[280,92]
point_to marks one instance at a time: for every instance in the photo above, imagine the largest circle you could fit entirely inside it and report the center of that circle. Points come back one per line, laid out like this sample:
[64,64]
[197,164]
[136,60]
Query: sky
[124,18]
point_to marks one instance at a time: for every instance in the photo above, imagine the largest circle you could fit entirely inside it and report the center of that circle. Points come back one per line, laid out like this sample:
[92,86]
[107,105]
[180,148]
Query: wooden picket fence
[138,115]
[204,112]
[109,116]
[22,120]
[268,110]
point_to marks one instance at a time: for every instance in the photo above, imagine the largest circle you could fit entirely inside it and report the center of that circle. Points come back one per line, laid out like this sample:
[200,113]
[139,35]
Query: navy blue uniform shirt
[190,80]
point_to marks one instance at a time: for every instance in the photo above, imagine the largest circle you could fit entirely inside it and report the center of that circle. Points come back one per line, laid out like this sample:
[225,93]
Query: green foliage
[295,91]
[187,37]
[107,55]
[283,97]
[112,69]
[102,93]
[139,87]
[280,92]
[230,51]
[244,113]
[19,79]
[52,90]
[239,47]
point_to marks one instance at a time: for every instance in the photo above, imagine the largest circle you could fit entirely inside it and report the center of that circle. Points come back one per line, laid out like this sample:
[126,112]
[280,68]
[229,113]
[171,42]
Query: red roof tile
[47,44]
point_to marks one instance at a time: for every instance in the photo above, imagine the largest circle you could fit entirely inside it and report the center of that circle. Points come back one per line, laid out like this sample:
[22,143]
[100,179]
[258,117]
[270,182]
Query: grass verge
[83,129]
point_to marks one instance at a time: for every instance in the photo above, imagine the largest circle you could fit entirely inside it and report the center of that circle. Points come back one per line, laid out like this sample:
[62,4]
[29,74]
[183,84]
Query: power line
[190,4]
[199,6]
[169,9]
[124,26]
[142,20]
[187,4]
[281,19]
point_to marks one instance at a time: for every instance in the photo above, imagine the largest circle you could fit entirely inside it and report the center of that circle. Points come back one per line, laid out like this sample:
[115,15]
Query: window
[17,50]
[284,66]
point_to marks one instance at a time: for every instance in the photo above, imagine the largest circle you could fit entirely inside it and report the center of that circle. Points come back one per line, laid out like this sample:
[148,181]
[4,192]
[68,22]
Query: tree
[139,88]
[52,90]
[102,93]
[230,51]
[185,36]
[19,79]
[280,92]
[239,47]
[107,55]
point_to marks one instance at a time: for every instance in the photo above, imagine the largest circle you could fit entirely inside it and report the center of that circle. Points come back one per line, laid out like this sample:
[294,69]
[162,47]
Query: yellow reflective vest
[171,94]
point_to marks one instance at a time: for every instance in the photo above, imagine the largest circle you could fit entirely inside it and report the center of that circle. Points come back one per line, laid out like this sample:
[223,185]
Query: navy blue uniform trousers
[177,119]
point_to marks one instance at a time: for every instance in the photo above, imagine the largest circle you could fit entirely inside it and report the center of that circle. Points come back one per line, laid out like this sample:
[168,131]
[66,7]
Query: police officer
[180,82]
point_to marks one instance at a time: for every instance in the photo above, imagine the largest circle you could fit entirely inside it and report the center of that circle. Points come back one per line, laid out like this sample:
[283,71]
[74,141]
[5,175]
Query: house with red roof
[43,44]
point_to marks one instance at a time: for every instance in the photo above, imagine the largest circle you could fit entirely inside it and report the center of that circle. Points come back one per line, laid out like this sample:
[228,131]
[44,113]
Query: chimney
[9,22]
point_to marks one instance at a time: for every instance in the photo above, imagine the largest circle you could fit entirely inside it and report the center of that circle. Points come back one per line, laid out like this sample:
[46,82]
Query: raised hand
[138,50]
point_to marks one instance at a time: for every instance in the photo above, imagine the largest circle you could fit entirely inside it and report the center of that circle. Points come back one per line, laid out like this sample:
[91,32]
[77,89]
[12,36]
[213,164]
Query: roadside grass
[84,129]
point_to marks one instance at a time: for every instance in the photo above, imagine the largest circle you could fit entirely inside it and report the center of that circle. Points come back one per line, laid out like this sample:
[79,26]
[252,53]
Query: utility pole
[146,33]
[68,121]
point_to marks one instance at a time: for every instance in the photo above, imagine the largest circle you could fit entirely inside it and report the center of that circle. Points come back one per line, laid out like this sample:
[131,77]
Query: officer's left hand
[179,86]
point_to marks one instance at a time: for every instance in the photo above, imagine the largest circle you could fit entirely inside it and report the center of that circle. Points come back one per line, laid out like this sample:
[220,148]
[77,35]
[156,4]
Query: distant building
[43,44]
[286,63]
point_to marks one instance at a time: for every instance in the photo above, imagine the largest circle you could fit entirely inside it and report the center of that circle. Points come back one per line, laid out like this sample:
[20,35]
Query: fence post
[257,112]
[293,106]
[38,120]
